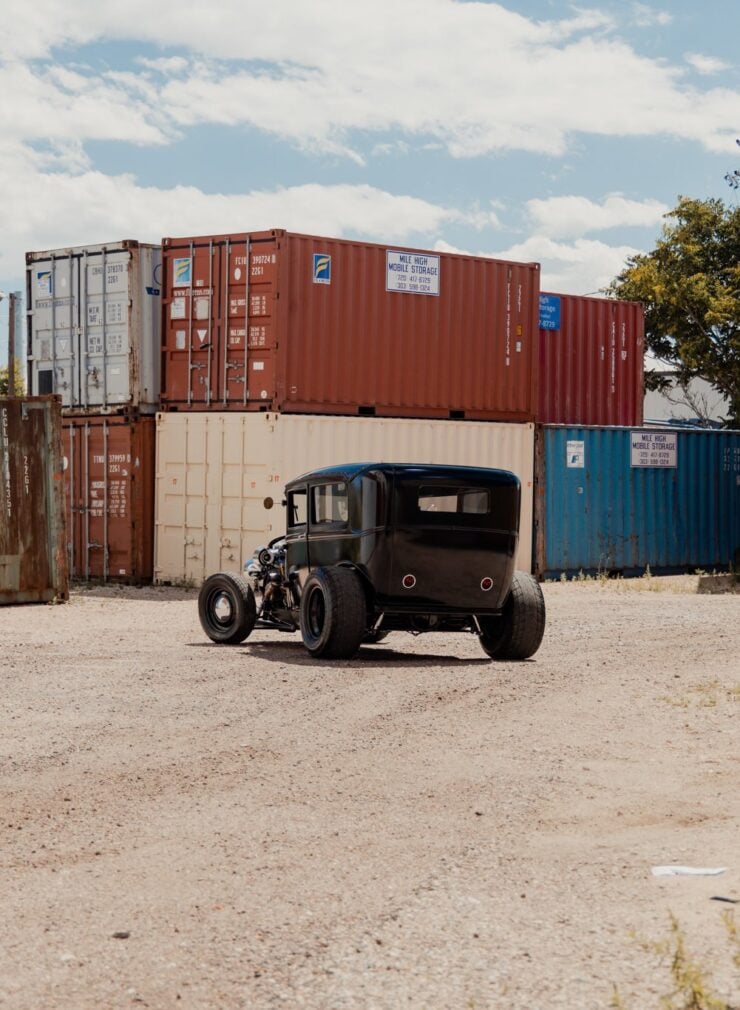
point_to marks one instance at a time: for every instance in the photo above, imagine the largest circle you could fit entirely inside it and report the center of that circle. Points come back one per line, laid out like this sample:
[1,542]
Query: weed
[691,985]
[707,694]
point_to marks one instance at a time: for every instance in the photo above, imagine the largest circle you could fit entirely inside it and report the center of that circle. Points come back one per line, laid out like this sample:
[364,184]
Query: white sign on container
[575,452]
[412,273]
[653,449]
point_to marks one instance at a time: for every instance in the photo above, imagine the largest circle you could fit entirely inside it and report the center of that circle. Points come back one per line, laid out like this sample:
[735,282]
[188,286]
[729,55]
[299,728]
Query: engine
[266,570]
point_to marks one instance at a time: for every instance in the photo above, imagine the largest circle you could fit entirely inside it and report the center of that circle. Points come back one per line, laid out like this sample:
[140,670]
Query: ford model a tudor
[372,548]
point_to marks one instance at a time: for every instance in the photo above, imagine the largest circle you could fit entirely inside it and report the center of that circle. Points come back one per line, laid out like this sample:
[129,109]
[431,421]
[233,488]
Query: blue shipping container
[623,499]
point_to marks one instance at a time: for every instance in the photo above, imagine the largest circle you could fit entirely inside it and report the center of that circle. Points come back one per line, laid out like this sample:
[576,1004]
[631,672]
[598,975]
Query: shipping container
[216,472]
[33,556]
[590,361]
[94,326]
[625,499]
[109,484]
[274,321]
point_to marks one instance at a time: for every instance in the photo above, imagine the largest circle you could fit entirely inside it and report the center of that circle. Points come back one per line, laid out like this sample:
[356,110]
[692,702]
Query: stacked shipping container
[622,499]
[94,338]
[303,324]
[109,484]
[591,355]
[94,326]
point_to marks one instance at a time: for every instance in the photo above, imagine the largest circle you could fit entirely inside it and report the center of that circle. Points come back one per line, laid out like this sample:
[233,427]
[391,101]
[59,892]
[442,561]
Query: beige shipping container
[216,470]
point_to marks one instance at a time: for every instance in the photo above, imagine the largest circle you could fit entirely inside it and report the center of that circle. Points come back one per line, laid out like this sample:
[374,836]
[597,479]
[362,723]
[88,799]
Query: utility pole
[11,343]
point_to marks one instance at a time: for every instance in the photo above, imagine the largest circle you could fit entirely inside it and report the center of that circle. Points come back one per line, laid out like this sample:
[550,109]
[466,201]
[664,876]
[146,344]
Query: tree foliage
[19,386]
[690,287]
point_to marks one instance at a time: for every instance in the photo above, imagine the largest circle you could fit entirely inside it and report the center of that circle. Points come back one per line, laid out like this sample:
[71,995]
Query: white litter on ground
[688,871]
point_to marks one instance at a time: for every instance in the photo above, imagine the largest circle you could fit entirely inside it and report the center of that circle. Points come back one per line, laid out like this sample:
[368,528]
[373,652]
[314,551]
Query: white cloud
[164,65]
[706,64]
[48,209]
[474,77]
[58,104]
[574,216]
[647,17]
[583,267]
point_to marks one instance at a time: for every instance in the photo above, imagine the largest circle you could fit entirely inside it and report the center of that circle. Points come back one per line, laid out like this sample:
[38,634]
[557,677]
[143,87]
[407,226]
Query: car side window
[297,507]
[469,500]
[329,504]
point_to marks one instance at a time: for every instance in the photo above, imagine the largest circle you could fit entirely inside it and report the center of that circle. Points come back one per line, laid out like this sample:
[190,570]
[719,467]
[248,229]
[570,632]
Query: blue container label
[549,312]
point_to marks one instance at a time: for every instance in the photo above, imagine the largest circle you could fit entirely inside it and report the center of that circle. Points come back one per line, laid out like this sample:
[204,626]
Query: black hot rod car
[377,547]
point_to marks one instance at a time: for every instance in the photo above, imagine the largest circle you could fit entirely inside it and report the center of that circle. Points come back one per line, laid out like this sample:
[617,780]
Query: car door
[330,539]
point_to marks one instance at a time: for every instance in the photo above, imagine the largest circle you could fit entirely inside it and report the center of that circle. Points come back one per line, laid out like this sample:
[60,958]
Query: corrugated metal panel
[590,361]
[94,326]
[109,484]
[328,332]
[33,559]
[598,511]
[215,470]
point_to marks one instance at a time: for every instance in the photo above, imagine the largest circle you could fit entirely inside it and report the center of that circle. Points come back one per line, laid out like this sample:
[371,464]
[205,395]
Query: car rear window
[455,500]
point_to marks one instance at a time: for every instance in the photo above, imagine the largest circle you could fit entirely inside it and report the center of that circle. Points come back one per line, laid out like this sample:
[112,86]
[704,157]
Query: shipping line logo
[43,281]
[321,268]
[183,272]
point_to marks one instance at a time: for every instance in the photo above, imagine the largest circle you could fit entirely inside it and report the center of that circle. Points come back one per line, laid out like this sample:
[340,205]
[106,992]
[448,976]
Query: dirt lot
[189,826]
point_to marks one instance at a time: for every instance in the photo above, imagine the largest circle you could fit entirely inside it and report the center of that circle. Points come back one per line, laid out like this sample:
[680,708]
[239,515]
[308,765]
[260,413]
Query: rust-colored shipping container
[292,323]
[33,556]
[590,361]
[109,483]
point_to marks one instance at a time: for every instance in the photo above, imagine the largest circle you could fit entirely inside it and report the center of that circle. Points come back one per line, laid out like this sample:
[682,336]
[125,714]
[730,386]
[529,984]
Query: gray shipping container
[94,325]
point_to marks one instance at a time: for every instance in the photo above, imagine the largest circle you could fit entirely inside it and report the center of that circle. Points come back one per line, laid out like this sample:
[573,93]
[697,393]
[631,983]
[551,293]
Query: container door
[105,358]
[250,269]
[192,331]
[53,291]
[219,337]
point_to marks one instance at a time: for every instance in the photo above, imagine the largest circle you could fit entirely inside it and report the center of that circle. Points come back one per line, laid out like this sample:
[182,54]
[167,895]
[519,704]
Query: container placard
[653,448]
[411,273]
[575,454]
[549,312]
[321,268]
[182,272]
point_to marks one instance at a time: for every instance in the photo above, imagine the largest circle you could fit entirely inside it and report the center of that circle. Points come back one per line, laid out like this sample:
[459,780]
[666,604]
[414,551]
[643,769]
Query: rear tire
[333,613]
[227,608]
[518,633]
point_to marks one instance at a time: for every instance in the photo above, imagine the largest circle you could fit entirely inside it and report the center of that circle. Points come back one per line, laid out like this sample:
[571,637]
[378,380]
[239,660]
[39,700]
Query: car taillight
[486,584]
[408,581]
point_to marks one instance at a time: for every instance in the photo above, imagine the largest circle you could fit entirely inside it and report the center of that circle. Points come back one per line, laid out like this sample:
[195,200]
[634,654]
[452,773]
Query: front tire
[518,633]
[333,613]
[227,608]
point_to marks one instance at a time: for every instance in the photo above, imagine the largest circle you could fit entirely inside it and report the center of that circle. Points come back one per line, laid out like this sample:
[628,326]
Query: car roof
[348,471]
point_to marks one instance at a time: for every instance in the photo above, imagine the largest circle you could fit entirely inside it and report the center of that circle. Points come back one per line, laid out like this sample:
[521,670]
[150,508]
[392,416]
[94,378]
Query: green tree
[19,386]
[690,287]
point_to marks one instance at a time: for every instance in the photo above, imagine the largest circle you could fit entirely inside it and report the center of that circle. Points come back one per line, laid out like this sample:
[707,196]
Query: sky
[525,129]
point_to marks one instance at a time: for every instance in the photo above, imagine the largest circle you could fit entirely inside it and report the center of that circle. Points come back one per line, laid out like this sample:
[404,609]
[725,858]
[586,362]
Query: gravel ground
[183,825]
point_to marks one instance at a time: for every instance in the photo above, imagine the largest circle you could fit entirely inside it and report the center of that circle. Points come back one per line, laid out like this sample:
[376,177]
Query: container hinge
[94,545]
